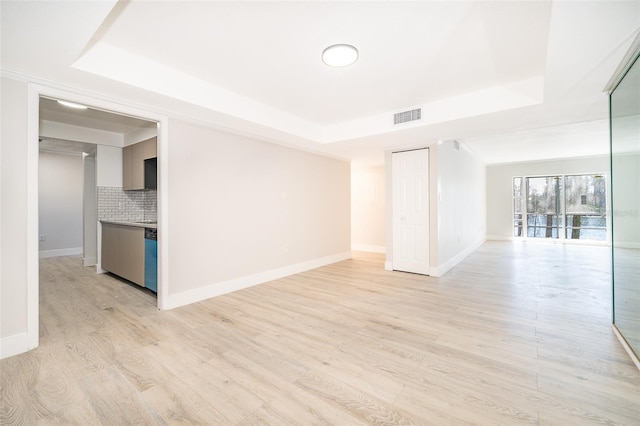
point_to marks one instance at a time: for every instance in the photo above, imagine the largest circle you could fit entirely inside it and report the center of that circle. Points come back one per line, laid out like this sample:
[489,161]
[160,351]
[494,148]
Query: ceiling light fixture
[340,55]
[71,105]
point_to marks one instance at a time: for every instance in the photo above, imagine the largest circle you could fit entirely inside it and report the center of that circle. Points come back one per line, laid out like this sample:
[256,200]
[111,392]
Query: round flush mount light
[71,105]
[340,55]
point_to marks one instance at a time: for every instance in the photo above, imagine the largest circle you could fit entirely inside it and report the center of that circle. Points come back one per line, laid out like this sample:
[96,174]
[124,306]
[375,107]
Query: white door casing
[89,212]
[410,186]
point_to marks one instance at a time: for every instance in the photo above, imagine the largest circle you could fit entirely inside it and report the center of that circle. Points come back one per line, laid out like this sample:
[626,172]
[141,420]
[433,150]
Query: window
[562,207]
[517,206]
[543,207]
[586,207]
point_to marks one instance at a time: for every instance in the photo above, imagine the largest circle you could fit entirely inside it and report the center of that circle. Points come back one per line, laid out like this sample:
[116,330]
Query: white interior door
[410,186]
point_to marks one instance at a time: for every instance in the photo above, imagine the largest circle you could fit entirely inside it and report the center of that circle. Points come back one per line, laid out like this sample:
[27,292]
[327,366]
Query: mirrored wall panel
[625,202]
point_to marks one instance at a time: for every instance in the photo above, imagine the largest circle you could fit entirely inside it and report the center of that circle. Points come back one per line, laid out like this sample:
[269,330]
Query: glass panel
[517,187]
[543,207]
[625,203]
[517,226]
[586,207]
[517,207]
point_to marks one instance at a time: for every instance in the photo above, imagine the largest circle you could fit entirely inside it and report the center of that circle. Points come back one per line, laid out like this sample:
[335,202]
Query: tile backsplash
[129,206]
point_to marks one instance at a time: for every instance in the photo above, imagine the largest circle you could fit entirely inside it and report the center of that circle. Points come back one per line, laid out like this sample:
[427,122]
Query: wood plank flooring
[515,334]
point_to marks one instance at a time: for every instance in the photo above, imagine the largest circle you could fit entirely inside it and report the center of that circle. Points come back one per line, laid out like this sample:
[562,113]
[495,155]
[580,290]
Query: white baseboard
[217,289]
[558,241]
[499,238]
[440,270]
[369,248]
[61,252]
[17,344]
[627,245]
[626,346]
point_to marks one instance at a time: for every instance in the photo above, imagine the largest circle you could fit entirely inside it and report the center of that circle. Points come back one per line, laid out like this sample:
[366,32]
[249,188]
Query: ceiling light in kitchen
[71,105]
[339,55]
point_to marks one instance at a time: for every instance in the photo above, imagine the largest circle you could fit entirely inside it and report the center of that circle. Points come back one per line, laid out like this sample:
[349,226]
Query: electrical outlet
[43,237]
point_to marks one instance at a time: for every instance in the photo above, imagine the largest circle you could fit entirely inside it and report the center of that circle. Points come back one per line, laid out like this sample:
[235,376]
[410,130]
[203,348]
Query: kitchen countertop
[140,224]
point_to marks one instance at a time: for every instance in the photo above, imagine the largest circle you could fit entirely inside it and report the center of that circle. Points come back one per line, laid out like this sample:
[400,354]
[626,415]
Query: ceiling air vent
[406,116]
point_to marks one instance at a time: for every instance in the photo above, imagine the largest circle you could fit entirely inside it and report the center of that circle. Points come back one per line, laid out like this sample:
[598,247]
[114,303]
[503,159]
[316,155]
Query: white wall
[462,204]
[500,186]
[108,166]
[13,221]
[243,211]
[457,206]
[61,180]
[368,209]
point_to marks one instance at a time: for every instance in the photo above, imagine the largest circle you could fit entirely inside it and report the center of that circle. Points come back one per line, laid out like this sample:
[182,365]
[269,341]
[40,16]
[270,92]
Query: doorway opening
[81,172]
[67,206]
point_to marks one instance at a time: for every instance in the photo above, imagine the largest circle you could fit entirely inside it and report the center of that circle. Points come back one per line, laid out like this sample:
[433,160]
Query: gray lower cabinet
[123,251]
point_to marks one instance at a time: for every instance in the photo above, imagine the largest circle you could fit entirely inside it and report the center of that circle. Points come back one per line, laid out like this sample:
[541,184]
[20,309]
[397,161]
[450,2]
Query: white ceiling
[51,110]
[513,80]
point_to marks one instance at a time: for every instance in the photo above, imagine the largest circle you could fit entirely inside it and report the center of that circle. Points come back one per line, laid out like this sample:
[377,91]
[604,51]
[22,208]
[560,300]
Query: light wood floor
[515,334]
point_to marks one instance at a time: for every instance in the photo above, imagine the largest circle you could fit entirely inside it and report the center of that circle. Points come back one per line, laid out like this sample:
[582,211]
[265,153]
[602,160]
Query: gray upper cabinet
[127,167]
[133,157]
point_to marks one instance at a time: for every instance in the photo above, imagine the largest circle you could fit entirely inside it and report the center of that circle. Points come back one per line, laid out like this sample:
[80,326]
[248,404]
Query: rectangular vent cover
[406,116]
